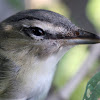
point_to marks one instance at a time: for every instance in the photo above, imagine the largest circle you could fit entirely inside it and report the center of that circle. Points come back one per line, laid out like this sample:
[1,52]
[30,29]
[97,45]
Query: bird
[31,44]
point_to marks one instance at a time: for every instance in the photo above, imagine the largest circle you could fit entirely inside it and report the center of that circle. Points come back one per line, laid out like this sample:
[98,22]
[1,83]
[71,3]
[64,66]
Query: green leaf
[93,88]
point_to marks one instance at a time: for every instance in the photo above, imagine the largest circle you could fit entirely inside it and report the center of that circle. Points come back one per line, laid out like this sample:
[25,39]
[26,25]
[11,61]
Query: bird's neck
[35,71]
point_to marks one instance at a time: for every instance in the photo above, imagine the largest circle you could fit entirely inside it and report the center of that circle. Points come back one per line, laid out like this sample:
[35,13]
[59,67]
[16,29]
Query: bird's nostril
[70,34]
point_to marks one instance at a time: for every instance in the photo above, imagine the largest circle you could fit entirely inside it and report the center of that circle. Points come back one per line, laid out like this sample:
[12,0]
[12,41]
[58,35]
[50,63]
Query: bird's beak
[83,37]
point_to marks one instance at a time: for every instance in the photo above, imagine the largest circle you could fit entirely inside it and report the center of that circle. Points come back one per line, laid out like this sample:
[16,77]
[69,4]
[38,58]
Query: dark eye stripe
[26,31]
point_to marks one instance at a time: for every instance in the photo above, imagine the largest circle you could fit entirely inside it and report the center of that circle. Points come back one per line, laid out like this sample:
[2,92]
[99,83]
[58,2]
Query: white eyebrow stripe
[48,26]
[24,25]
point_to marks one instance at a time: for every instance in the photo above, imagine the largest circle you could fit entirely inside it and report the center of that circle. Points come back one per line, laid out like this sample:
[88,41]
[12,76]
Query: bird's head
[42,33]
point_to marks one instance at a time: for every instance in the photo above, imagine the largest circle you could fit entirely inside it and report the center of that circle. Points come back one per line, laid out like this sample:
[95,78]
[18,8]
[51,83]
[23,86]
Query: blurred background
[81,62]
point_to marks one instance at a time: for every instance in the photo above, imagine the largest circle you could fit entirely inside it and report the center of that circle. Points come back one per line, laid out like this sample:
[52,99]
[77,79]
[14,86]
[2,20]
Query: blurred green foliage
[93,13]
[70,64]
[79,92]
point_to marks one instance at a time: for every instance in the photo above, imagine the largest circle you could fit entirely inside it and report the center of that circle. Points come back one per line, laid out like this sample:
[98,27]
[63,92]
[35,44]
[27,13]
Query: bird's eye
[33,30]
[37,31]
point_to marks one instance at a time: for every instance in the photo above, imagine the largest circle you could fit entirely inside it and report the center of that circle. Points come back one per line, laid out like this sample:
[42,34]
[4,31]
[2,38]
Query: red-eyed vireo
[31,44]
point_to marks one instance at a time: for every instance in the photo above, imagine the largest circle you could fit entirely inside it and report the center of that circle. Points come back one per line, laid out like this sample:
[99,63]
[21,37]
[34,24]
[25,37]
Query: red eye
[77,33]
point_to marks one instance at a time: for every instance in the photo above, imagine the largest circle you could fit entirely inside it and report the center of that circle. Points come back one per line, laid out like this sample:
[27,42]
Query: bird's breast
[37,77]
